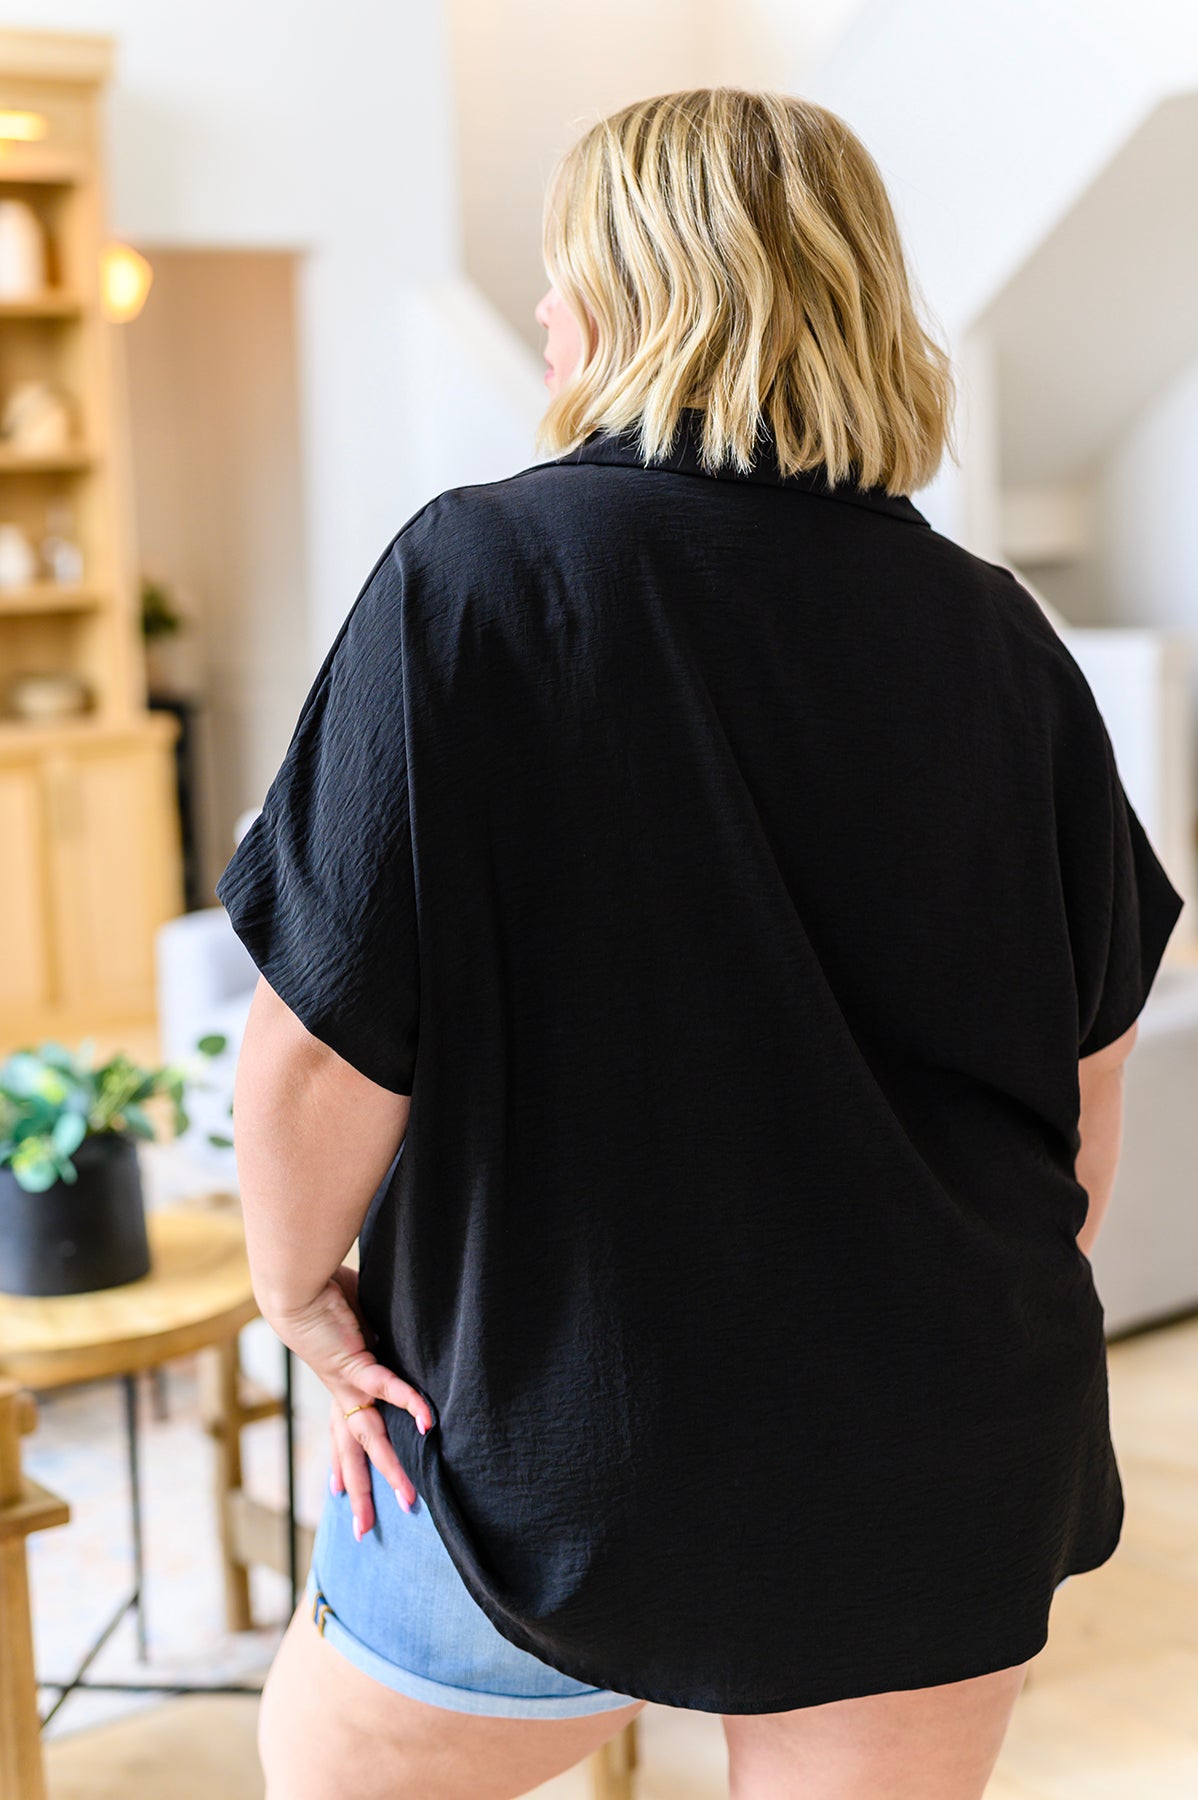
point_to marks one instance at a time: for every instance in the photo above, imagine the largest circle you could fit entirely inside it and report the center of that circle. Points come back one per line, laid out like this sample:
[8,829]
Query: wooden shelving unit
[88,821]
[50,597]
[51,305]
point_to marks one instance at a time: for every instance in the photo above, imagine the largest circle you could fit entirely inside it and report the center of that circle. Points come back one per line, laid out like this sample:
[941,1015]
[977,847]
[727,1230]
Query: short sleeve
[1135,907]
[321,889]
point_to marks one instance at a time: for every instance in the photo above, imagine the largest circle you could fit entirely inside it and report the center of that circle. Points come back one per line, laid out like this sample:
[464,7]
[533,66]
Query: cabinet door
[114,857]
[26,973]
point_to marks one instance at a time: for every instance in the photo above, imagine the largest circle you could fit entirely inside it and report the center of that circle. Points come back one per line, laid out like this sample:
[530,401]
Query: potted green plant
[162,626]
[72,1212]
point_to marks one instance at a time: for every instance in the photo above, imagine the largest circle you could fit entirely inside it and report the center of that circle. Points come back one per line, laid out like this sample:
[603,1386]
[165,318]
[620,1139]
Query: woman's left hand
[329,1336]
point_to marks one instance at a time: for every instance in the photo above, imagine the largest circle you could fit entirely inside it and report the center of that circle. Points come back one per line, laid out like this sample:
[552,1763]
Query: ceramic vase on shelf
[18,559]
[23,273]
[38,418]
[62,557]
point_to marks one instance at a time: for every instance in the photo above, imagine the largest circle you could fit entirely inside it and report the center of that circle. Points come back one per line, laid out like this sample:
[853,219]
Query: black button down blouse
[733,870]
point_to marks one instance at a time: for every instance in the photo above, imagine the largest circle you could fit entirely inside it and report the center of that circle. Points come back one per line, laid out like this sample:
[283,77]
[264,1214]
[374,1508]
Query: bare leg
[937,1743]
[326,1728]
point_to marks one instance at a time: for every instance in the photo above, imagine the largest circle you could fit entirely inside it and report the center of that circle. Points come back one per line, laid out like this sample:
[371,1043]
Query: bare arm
[314,1140]
[1101,1126]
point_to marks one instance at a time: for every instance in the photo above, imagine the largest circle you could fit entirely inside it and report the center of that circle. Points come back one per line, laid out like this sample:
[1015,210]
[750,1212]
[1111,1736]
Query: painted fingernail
[403,1499]
[357,1528]
[334,1487]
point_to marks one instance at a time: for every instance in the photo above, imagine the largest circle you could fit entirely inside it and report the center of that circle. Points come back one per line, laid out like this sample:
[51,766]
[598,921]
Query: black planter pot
[81,1235]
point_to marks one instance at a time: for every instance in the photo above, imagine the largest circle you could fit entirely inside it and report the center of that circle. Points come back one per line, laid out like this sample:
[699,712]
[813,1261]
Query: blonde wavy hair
[737,252]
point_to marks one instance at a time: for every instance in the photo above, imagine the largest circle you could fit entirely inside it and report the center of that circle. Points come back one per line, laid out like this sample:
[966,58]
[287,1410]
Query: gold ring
[361,1408]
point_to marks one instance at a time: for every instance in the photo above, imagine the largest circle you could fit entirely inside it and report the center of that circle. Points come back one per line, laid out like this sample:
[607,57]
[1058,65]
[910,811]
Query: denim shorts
[396,1607]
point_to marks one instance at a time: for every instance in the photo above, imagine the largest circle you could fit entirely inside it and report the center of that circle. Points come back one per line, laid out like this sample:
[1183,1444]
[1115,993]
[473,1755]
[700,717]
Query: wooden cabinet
[90,858]
[111,872]
[91,869]
[26,969]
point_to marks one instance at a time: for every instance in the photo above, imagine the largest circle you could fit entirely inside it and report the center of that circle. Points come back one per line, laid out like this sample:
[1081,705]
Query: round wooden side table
[197,1297]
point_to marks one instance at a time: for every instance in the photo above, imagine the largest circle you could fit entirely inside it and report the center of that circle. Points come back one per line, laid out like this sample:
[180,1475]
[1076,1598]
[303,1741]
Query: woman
[701,929]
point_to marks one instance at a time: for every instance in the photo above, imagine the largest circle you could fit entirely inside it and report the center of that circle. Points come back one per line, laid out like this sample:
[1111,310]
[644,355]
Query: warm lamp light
[22,127]
[125,278]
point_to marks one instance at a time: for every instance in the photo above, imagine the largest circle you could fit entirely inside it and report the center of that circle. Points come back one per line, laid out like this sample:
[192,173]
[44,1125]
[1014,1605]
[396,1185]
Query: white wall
[305,127]
[1145,514]
[214,402]
[773,43]
[1143,566]
[476,386]
[987,121]
[531,75]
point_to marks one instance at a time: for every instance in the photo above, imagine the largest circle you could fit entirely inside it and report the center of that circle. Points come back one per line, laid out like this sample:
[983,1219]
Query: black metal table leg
[131,1433]
[289,1418]
[134,1600]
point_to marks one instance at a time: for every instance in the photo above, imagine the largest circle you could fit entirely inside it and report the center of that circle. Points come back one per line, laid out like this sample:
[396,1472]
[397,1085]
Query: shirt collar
[603,446]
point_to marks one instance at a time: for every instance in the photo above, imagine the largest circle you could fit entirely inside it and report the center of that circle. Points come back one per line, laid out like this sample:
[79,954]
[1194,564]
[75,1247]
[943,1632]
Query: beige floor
[193,1749]
[1109,1712]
